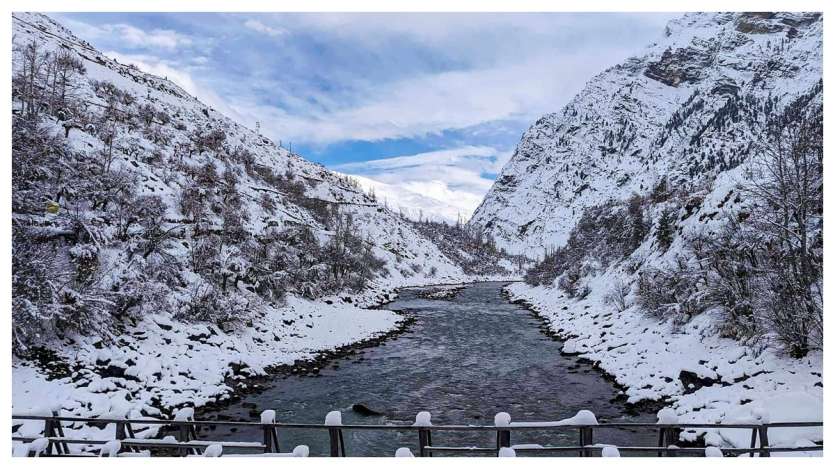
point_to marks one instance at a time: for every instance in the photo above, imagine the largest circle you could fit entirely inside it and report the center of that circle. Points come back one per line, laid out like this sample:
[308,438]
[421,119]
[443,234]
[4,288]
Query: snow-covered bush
[618,295]
[604,234]
[468,245]
[207,303]
[675,293]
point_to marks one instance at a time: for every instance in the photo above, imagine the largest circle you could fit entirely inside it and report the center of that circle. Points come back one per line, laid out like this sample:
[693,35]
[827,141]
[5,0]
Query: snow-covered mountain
[679,251]
[160,248]
[682,110]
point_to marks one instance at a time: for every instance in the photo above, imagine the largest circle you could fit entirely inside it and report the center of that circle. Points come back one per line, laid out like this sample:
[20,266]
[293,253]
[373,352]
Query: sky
[424,108]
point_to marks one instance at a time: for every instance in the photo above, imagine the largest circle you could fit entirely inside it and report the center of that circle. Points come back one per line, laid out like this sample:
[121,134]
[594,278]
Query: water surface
[464,360]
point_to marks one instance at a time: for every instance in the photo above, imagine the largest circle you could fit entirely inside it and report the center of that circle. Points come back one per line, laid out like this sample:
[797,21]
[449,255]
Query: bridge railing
[184,430]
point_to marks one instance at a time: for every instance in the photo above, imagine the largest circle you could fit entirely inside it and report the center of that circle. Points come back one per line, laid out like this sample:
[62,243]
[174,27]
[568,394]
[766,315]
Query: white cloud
[131,36]
[456,71]
[163,38]
[413,200]
[260,27]
[421,105]
[180,76]
[446,183]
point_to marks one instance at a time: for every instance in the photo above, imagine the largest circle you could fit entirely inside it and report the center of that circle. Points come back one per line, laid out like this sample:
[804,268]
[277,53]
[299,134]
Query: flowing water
[464,360]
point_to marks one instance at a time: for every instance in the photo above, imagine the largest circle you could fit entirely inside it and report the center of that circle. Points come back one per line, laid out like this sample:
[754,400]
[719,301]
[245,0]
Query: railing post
[586,439]
[424,440]
[270,432]
[120,430]
[423,420]
[502,423]
[333,433]
[334,420]
[589,440]
[48,432]
[666,416]
[764,441]
[753,442]
[183,417]
[662,439]
[58,430]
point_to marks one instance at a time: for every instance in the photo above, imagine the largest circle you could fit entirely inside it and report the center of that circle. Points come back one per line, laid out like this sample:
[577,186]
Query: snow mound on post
[39,446]
[334,418]
[267,417]
[403,453]
[583,417]
[423,419]
[507,453]
[667,416]
[502,419]
[213,451]
[762,415]
[184,415]
[110,449]
[301,451]
[609,452]
[713,452]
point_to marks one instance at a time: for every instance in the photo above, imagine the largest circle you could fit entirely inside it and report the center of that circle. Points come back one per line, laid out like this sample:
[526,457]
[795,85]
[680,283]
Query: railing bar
[624,448]
[152,444]
[411,427]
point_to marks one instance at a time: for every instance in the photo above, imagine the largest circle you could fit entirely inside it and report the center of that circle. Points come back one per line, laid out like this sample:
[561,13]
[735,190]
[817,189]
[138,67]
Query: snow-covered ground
[648,358]
[159,364]
[155,362]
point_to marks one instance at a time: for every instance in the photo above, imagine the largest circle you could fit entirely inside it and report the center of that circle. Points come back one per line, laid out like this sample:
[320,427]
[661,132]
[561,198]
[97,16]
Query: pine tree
[664,231]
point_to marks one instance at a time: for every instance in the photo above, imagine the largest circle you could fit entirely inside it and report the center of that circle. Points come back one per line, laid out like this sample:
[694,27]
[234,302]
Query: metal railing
[187,443]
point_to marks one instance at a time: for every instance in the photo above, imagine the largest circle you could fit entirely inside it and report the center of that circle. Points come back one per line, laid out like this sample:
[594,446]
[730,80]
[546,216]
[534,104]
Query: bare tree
[787,183]
[27,82]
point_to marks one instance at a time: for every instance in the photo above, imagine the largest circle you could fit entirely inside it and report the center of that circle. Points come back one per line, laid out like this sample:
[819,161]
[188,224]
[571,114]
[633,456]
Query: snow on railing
[403,453]
[184,440]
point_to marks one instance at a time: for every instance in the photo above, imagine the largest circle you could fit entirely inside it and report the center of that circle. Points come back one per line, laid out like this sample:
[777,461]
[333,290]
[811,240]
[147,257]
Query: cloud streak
[260,27]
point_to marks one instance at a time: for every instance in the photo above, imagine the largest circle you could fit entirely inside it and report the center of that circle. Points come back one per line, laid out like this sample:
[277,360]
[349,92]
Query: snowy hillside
[161,248]
[684,110]
[676,204]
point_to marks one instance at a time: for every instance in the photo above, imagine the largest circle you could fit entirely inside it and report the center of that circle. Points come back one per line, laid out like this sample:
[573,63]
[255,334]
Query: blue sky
[425,108]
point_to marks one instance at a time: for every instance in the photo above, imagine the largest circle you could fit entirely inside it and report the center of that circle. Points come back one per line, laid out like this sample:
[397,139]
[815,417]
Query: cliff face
[686,110]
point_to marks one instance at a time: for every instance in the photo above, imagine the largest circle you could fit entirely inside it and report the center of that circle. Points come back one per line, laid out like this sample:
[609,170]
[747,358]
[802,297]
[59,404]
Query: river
[464,359]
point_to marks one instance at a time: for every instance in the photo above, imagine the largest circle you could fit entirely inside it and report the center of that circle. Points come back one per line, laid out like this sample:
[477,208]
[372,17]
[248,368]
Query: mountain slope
[678,200]
[163,252]
[683,110]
